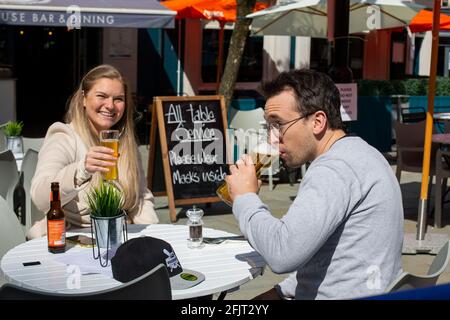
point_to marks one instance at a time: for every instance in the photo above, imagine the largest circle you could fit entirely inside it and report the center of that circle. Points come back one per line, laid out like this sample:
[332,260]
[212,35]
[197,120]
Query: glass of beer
[110,139]
[263,156]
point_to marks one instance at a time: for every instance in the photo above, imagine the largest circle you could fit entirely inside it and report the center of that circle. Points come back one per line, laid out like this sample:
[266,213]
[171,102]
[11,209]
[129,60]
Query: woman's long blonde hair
[128,159]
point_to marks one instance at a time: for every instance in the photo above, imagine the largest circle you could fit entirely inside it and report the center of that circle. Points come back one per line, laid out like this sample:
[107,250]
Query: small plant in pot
[108,219]
[13,132]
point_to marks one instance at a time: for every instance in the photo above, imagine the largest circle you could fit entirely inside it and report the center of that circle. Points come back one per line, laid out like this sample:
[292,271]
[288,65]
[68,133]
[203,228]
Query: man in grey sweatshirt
[343,233]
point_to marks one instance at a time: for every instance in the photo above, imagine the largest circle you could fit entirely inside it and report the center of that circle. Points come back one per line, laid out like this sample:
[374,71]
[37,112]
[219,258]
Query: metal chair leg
[438,203]
[222,295]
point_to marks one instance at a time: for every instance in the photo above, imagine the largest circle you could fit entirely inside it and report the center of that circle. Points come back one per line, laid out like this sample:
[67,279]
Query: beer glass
[263,156]
[110,139]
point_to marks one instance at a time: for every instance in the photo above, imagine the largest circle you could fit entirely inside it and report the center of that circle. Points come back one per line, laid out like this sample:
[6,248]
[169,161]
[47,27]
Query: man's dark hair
[314,91]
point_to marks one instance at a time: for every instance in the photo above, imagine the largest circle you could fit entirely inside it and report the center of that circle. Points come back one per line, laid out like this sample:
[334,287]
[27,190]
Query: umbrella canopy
[86,13]
[423,21]
[309,17]
[221,10]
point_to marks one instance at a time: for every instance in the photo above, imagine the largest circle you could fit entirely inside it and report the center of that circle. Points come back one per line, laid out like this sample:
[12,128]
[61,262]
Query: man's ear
[320,122]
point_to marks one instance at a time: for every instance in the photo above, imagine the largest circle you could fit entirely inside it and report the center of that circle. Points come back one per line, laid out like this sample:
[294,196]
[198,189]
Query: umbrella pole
[422,219]
[338,19]
[430,243]
[220,55]
[179,60]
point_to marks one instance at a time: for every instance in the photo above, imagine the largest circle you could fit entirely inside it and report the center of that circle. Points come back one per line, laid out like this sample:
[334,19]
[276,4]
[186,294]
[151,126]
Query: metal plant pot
[15,144]
[109,231]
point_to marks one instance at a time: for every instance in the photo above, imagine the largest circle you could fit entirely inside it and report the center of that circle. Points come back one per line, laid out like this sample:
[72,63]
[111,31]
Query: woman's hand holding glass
[99,159]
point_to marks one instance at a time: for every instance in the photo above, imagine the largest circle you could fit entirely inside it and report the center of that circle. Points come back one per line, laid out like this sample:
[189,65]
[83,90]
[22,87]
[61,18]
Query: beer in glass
[263,156]
[110,139]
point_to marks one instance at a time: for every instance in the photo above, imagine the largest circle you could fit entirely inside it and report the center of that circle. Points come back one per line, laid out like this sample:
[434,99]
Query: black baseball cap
[137,256]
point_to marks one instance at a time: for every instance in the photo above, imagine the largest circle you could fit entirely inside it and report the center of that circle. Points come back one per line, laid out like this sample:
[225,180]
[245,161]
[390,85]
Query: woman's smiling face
[105,103]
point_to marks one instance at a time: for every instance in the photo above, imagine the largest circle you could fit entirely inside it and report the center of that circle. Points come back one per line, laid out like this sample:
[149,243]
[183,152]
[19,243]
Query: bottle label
[56,231]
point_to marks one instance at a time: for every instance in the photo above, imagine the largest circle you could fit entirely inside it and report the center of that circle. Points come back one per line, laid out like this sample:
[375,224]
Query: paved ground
[219,216]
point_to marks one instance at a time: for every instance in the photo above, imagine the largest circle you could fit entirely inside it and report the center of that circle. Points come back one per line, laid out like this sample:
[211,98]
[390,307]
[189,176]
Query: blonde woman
[72,156]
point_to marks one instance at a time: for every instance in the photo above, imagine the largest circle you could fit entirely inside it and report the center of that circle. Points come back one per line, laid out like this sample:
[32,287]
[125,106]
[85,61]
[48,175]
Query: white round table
[225,266]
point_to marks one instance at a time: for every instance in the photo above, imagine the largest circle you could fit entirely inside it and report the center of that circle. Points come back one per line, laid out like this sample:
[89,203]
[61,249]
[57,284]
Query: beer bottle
[56,227]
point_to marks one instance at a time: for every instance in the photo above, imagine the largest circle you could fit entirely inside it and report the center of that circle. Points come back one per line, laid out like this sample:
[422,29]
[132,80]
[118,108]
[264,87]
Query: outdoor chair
[11,233]
[410,143]
[446,127]
[2,140]
[442,174]
[32,143]
[245,125]
[412,114]
[9,176]
[246,119]
[153,285]
[408,281]
[32,214]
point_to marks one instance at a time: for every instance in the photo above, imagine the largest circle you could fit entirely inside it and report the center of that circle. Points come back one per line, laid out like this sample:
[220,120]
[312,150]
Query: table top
[225,266]
[442,138]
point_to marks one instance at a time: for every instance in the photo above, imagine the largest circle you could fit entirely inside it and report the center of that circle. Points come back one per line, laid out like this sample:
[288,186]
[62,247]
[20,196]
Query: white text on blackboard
[194,177]
[197,134]
[175,116]
[198,158]
[191,148]
[200,115]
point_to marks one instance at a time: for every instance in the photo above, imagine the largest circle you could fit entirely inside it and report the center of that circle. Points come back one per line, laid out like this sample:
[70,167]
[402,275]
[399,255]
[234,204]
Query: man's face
[295,136]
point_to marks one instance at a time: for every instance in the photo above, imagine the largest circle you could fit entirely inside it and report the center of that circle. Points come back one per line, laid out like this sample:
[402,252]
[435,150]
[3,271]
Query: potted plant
[108,219]
[13,132]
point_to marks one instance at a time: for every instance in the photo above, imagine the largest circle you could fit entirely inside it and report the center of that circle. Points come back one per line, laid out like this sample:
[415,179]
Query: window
[320,52]
[251,63]
[397,66]
[356,56]
[319,55]
[5,52]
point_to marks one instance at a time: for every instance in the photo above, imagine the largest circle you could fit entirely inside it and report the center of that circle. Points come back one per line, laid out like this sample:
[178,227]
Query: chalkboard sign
[193,141]
[155,178]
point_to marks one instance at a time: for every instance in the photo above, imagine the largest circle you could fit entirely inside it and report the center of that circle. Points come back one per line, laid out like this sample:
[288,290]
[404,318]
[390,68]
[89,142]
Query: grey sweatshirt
[342,234]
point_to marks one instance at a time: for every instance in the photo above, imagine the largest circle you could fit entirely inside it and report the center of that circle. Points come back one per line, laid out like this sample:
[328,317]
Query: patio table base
[430,245]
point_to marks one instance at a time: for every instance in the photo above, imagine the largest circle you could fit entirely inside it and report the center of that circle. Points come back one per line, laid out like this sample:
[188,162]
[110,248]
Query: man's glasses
[276,128]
